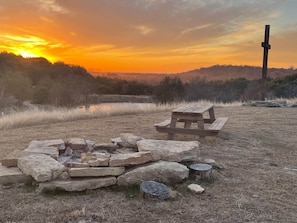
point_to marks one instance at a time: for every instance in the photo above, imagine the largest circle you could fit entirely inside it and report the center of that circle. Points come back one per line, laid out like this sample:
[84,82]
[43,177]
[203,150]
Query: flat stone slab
[59,143]
[48,150]
[161,171]
[77,185]
[41,167]
[96,171]
[170,150]
[13,175]
[129,159]
[77,143]
[11,160]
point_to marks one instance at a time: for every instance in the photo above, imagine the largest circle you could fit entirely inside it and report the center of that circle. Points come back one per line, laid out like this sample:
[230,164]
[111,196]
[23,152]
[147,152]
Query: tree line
[43,82]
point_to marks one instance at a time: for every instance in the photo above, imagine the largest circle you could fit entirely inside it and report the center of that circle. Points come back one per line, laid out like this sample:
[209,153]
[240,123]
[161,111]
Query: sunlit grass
[28,118]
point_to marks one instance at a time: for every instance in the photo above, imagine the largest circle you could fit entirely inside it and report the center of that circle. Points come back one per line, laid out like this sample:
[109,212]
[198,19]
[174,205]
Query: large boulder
[161,171]
[41,167]
[170,150]
[77,185]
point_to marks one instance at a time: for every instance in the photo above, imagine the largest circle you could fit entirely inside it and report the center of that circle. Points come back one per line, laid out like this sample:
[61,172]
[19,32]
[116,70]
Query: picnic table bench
[189,114]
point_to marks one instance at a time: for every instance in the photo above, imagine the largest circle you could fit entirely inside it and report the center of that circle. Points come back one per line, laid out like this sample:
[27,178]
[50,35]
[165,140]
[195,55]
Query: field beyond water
[257,150]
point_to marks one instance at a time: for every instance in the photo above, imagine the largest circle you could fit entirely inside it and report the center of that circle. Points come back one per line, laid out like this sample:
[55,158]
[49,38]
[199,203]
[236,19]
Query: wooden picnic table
[192,114]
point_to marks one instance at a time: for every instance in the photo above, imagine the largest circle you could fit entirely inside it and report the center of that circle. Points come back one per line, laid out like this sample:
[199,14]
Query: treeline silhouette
[42,82]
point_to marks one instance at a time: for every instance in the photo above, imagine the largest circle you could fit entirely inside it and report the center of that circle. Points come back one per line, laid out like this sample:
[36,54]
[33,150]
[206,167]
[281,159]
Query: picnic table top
[193,108]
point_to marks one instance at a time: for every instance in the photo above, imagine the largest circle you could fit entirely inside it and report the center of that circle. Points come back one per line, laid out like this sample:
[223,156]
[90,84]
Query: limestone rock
[96,171]
[196,188]
[106,146]
[161,171]
[41,167]
[11,160]
[59,143]
[130,159]
[95,159]
[77,144]
[48,150]
[77,185]
[129,140]
[98,162]
[13,175]
[170,150]
[76,164]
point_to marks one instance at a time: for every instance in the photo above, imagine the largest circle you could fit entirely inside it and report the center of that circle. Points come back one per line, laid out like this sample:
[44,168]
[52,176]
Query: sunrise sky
[150,35]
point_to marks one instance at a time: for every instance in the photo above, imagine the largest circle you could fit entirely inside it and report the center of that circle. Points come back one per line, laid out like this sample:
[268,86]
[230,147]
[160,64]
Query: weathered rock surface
[59,143]
[170,150]
[106,146]
[41,167]
[13,175]
[130,159]
[48,150]
[77,144]
[96,171]
[77,185]
[11,160]
[153,189]
[129,140]
[196,188]
[161,171]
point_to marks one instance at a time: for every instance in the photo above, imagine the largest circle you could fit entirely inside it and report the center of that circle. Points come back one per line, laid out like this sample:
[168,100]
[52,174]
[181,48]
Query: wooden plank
[193,109]
[163,124]
[218,124]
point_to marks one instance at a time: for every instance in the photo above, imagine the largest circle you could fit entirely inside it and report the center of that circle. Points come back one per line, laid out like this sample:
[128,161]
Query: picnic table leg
[187,124]
[172,125]
[211,115]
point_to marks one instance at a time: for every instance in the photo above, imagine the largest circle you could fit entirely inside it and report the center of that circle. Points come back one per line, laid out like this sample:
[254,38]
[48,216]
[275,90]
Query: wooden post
[266,47]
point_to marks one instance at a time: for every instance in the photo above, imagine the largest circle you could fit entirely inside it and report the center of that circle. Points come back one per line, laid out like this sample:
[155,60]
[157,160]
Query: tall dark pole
[266,47]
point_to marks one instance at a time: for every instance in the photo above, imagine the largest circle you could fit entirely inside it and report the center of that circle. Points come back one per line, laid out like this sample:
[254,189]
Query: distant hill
[216,72]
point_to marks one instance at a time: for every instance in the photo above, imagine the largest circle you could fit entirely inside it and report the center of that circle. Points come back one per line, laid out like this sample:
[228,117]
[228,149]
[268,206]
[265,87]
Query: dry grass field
[257,150]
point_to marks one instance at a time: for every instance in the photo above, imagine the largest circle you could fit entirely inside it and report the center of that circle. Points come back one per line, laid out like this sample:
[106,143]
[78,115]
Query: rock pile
[78,164]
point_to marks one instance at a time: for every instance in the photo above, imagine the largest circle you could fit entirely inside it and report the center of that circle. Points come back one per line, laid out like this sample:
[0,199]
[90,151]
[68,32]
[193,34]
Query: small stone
[196,188]
[98,162]
[68,151]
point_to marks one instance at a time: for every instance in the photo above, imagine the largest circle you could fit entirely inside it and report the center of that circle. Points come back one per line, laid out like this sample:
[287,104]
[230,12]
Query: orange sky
[150,35]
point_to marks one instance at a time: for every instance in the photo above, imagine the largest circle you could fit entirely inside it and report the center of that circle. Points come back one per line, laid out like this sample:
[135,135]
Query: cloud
[51,6]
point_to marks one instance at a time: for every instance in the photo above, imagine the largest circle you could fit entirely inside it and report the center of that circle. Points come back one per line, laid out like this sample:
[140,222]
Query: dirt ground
[257,150]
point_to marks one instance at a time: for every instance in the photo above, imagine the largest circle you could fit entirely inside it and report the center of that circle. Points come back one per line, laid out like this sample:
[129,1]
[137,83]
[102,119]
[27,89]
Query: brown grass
[256,148]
